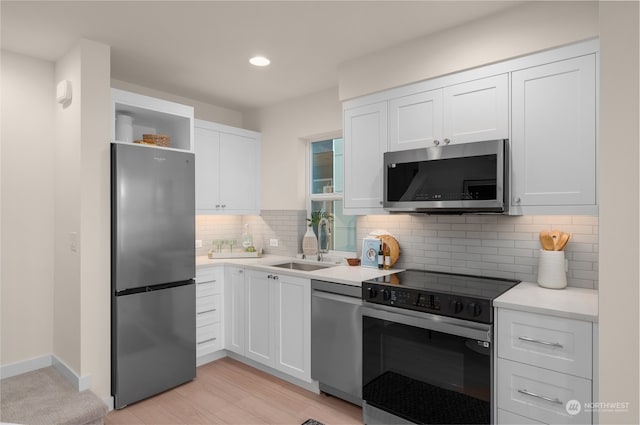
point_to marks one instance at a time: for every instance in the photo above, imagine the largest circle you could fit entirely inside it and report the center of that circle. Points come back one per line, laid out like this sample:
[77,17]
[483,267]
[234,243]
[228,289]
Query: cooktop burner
[456,295]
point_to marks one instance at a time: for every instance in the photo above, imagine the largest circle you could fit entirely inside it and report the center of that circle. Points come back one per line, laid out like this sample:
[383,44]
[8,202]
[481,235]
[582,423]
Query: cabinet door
[554,135]
[365,141]
[293,326]
[415,121]
[477,110]
[234,309]
[207,154]
[239,170]
[259,315]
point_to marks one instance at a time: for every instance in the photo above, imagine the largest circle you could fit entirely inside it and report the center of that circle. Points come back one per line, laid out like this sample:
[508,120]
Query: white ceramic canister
[124,128]
[310,243]
[552,269]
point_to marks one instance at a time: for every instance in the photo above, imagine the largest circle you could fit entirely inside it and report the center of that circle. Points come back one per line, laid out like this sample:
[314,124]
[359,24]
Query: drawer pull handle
[207,311]
[541,397]
[207,340]
[537,341]
[207,281]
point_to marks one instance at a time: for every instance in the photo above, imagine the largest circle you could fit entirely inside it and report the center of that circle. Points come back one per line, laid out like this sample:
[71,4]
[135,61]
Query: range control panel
[452,305]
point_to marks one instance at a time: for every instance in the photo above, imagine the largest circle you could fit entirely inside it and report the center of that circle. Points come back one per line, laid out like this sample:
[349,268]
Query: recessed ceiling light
[259,61]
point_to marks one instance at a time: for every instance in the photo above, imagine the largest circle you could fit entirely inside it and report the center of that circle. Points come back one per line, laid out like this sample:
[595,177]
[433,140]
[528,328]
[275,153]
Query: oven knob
[474,309]
[372,292]
[456,306]
[386,294]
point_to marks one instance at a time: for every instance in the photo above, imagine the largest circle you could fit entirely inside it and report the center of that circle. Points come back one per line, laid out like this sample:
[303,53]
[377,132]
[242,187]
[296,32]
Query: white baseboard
[80,383]
[24,366]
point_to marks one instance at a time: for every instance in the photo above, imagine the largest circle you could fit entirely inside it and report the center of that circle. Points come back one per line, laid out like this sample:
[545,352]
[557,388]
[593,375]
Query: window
[325,194]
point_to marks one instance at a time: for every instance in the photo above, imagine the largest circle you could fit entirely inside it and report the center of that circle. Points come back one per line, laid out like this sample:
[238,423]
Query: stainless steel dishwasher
[336,339]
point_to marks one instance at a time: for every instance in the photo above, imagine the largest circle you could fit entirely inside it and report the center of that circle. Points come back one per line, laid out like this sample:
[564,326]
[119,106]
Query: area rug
[45,397]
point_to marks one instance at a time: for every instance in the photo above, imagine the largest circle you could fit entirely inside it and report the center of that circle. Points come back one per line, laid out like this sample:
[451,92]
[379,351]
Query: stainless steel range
[427,348]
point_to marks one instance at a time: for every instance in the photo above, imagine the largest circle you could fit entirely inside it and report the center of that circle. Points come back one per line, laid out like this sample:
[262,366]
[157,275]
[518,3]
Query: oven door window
[426,376]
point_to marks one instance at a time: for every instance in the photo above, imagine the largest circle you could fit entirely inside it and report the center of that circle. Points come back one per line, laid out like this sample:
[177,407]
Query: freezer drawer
[154,342]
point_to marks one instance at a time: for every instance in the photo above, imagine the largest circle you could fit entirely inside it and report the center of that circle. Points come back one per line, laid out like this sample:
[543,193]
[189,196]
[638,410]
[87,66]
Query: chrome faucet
[327,232]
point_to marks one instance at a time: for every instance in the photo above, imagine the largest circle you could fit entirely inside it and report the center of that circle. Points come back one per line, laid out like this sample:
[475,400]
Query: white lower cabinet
[269,320]
[234,301]
[209,306]
[544,368]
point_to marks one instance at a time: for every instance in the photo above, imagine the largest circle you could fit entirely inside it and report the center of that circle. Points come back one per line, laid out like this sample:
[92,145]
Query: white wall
[82,275]
[203,111]
[284,128]
[95,217]
[27,152]
[66,295]
[531,27]
[619,210]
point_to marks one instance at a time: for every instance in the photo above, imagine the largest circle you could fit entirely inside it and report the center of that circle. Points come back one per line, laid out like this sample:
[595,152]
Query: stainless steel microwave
[459,178]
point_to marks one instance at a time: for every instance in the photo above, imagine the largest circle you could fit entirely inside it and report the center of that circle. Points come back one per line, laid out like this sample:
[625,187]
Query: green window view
[326,190]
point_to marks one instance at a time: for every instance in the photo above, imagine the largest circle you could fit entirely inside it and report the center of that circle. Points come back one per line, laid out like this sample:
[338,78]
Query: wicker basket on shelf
[156,139]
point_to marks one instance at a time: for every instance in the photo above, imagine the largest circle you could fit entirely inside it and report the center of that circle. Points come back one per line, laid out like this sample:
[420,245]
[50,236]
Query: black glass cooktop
[448,283]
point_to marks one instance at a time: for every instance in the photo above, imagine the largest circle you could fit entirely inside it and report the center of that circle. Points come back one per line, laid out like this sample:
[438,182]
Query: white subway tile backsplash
[486,245]
[489,245]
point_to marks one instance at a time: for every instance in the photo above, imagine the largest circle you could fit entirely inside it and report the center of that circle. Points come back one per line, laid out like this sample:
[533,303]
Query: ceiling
[200,49]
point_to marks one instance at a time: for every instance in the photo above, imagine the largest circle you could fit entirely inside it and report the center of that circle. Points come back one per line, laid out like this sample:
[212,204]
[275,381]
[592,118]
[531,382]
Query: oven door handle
[444,324]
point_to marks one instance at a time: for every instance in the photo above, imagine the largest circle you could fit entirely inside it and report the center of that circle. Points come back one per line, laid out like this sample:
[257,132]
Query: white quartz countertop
[572,303]
[339,273]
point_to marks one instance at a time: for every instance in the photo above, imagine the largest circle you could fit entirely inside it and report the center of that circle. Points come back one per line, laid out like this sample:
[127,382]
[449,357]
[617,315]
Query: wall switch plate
[198,243]
[73,241]
[273,242]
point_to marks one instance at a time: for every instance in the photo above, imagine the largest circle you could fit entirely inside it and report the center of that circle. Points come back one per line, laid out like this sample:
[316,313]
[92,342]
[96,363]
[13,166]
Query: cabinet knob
[217,205]
[224,206]
[447,141]
[436,142]
[517,200]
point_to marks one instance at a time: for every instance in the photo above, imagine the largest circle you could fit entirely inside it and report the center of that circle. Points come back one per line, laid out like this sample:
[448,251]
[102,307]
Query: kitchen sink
[306,267]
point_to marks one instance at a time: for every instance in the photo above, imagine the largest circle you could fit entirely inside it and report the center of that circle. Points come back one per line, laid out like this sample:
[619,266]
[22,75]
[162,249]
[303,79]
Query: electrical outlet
[198,243]
[273,242]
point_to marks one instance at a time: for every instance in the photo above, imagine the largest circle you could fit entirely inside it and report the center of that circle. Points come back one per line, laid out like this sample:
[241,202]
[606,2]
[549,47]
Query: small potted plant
[314,221]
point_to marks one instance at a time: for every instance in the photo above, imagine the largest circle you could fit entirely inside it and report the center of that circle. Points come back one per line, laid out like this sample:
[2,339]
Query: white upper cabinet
[477,110]
[553,144]
[472,111]
[227,169]
[415,121]
[365,141]
[135,115]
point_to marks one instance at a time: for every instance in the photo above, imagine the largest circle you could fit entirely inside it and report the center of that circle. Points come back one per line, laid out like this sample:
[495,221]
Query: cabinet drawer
[204,289]
[542,394]
[508,418]
[209,274]
[206,305]
[207,317]
[559,344]
[208,339]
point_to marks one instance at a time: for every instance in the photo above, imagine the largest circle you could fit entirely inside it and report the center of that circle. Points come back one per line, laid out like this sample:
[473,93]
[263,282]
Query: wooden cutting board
[394,247]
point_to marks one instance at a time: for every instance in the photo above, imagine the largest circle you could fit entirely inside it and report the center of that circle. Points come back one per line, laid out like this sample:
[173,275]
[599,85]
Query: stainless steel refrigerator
[153,328]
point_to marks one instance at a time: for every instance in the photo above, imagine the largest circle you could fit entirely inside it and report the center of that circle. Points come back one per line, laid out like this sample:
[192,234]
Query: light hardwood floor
[229,392]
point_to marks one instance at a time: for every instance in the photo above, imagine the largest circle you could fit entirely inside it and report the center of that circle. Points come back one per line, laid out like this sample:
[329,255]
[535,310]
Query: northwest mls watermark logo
[574,407]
